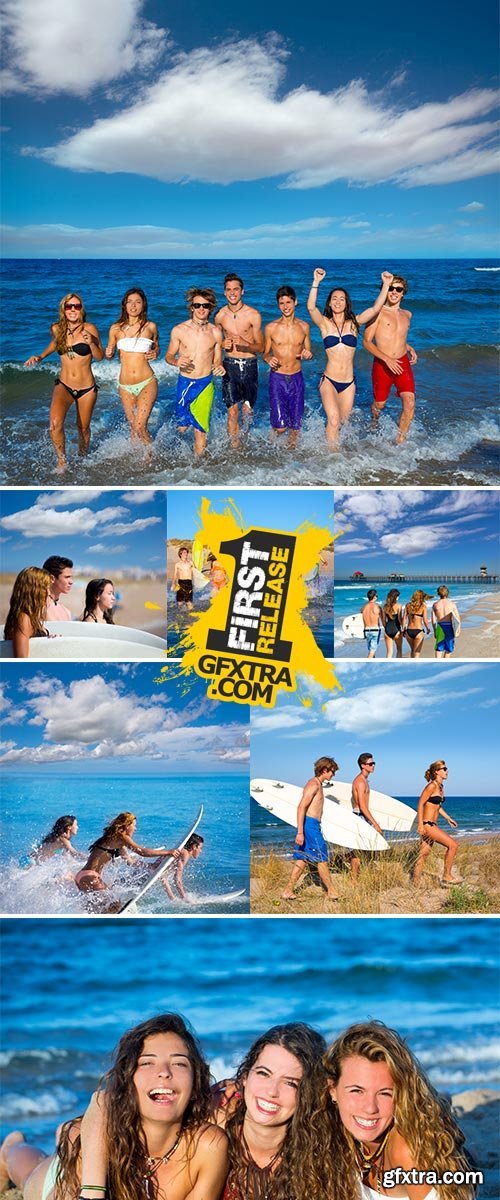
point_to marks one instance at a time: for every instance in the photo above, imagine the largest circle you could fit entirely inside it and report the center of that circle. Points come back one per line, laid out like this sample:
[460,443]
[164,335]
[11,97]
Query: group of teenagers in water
[37,598]
[410,622]
[356,1120]
[115,843]
[228,347]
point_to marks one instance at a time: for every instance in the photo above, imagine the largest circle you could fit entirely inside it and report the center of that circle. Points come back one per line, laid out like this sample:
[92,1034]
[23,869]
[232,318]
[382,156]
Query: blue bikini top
[349,339]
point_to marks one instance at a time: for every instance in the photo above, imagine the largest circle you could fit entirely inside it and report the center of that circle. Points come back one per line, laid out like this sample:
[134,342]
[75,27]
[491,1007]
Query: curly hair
[421,1116]
[93,590]
[124,318]
[29,596]
[299,1175]
[431,772]
[60,329]
[349,315]
[126,1143]
[417,600]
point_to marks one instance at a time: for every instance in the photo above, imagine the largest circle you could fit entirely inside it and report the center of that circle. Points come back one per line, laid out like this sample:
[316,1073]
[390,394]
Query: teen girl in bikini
[385,1114]
[414,621]
[392,616]
[78,343]
[430,806]
[115,842]
[136,339]
[339,328]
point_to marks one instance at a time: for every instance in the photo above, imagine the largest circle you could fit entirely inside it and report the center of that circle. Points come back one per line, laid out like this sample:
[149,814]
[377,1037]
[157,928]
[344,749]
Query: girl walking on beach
[100,600]
[78,343]
[136,339]
[115,842]
[430,806]
[392,616]
[27,610]
[339,328]
[384,1115]
[150,1137]
[415,618]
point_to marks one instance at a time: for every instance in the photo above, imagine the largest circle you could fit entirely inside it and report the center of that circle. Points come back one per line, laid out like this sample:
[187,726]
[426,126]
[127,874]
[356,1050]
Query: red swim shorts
[383,379]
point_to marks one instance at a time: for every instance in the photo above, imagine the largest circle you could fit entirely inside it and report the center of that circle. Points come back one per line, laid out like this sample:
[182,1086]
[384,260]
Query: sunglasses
[371,763]
[72,306]
[396,289]
[198,304]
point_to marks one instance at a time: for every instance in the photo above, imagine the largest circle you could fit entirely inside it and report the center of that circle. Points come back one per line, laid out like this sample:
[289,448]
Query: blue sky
[121,531]
[115,720]
[449,531]
[273,509]
[406,714]
[137,128]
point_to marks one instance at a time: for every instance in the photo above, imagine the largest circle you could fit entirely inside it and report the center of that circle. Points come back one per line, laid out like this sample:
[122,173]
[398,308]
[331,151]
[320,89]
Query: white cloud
[249,132]
[138,496]
[345,547]
[377,509]
[416,539]
[130,526]
[40,522]
[381,708]
[69,496]
[473,207]
[279,719]
[53,46]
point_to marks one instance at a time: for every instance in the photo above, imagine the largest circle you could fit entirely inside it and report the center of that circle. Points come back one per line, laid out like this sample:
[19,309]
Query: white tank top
[138,345]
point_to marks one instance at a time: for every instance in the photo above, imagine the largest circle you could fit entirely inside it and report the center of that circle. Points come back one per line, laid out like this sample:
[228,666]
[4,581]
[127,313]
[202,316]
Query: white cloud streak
[252,129]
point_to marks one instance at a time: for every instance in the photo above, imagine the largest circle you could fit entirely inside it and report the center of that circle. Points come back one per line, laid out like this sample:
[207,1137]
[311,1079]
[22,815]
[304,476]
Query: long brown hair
[61,327]
[299,1175]
[126,1144]
[391,601]
[417,601]
[421,1116]
[93,590]
[29,595]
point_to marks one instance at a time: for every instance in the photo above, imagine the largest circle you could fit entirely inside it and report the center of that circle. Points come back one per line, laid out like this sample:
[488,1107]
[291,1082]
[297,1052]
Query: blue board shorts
[372,638]
[315,848]
[286,398]
[194,402]
[445,637]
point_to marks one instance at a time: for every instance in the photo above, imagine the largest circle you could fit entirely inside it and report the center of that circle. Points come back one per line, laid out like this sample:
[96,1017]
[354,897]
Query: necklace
[154,1163]
[69,349]
[373,1160]
[235,311]
[258,1178]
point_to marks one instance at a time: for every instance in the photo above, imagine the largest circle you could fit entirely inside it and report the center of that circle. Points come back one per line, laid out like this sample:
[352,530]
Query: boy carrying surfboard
[310,843]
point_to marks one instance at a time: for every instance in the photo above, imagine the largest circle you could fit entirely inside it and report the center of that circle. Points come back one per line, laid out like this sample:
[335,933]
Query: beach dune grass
[384,884]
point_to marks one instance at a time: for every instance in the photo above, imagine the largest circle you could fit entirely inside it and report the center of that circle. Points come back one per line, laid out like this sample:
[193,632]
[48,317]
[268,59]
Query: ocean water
[70,992]
[318,615]
[454,330]
[165,807]
[350,597]
[478,815]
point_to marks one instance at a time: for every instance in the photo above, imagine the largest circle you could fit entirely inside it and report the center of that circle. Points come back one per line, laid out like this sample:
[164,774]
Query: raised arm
[312,299]
[373,311]
[37,358]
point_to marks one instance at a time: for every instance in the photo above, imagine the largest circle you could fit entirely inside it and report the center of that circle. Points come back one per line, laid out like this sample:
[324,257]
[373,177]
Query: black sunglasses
[395,289]
[200,305]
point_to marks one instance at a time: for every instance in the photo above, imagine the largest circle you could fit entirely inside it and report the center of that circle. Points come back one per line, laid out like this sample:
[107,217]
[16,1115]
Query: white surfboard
[391,814]
[200,581]
[339,826]
[354,626]
[130,906]
[86,641]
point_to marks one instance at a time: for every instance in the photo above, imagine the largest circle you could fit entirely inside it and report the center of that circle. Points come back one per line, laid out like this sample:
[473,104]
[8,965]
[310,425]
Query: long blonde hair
[417,601]
[421,1116]
[61,326]
[116,828]
[29,596]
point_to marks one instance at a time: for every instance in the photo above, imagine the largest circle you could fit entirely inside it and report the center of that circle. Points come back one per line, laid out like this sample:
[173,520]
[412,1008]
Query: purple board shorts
[315,849]
[286,396]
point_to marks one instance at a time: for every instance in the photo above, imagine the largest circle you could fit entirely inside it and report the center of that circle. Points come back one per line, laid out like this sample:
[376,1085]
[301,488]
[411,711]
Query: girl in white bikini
[386,1115]
[136,339]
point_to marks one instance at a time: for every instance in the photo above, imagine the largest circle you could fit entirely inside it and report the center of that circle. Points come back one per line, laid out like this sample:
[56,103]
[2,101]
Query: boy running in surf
[287,341]
[386,339]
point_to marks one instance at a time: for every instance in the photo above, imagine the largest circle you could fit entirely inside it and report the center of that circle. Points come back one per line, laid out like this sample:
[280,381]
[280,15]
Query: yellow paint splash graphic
[151,604]
[253,641]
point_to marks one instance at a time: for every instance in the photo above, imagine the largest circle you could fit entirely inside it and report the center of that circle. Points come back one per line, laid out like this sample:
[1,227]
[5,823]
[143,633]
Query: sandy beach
[384,884]
[480,633]
[478,1113]
[134,595]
